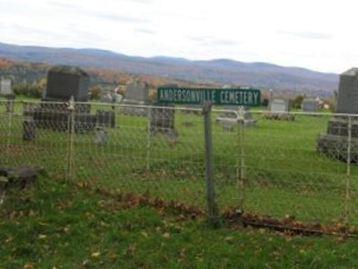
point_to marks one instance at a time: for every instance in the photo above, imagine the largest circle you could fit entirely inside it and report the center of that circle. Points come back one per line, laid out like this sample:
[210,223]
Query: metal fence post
[213,212]
[71,130]
[348,174]
[241,165]
[9,130]
[148,139]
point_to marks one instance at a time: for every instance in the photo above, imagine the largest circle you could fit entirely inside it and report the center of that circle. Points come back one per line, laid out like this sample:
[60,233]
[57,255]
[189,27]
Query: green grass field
[62,225]
[283,173]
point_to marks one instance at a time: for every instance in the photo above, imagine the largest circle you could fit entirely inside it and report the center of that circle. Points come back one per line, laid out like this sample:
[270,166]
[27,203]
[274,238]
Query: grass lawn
[61,225]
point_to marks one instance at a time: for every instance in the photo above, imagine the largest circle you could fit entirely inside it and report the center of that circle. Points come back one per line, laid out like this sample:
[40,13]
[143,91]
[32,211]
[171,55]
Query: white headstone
[5,87]
[279,106]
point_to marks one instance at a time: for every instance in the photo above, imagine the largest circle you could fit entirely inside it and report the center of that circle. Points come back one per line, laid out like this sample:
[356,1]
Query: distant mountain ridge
[222,71]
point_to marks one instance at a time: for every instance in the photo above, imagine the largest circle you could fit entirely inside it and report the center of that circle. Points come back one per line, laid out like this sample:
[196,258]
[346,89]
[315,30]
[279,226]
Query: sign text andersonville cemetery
[239,97]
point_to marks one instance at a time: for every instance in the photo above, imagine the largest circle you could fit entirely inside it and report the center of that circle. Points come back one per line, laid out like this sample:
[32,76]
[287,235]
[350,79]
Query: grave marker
[137,94]
[309,105]
[341,140]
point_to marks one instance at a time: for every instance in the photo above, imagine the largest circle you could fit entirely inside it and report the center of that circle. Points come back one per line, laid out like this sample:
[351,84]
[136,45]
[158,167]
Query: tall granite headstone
[5,87]
[6,91]
[162,119]
[137,94]
[335,143]
[66,81]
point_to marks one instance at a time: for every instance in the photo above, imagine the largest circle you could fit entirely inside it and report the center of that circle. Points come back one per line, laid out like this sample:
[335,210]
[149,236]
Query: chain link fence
[299,166]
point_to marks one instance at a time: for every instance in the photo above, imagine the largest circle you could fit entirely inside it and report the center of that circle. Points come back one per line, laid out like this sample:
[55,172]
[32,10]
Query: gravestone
[309,105]
[228,120]
[335,143]
[6,91]
[245,117]
[111,98]
[162,120]
[238,115]
[137,95]
[279,110]
[64,84]
[101,136]
[106,118]
[279,106]
[107,98]
[29,130]
[5,87]
[137,91]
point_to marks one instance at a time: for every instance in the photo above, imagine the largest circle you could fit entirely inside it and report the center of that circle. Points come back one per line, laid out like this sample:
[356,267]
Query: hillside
[219,71]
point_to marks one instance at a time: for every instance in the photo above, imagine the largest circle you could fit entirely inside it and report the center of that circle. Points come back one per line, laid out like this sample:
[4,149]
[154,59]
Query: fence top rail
[304,113]
[181,108]
[119,105]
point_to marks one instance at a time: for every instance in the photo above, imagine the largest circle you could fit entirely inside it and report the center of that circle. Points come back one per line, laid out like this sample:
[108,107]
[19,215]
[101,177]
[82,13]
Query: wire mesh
[297,165]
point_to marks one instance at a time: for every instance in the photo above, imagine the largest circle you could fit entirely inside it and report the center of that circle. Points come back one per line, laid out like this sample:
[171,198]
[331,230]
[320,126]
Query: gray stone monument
[137,94]
[29,130]
[335,143]
[63,82]
[309,105]
[245,117]
[279,110]
[229,119]
[6,91]
[101,136]
[5,87]
[162,120]
[66,84]
[242,115]
[279,106]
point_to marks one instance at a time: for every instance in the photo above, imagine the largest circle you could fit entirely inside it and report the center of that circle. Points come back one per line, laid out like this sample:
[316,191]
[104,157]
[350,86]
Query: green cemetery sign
[238,97]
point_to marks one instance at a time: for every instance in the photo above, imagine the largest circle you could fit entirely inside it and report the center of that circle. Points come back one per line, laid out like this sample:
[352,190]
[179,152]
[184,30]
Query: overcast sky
[316,34]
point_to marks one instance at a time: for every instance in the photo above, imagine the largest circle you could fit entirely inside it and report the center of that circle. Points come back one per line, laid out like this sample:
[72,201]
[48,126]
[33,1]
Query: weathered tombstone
[6,91]
[107,98]
[340,136]
[245,117]
[279,110]
[5,87]
[162,120]
[228,120]
[137,95]
[29,130]
[63,82]
[106,118]
[111,98]
[279,106]
[238,115]
[101,136]
[309,105]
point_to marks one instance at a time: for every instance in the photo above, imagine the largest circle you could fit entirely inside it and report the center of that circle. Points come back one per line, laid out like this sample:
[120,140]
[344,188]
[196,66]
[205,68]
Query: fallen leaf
[95,254]
[42,236]
[28,266]
[166,235]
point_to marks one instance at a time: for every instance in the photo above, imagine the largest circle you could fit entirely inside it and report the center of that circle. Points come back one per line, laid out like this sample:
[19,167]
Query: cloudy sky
[316,34]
